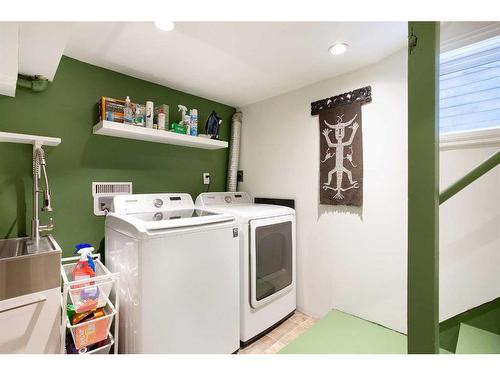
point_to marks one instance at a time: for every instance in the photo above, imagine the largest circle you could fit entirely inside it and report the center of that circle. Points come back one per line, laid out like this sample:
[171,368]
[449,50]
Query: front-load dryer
[179,277]
[267,260]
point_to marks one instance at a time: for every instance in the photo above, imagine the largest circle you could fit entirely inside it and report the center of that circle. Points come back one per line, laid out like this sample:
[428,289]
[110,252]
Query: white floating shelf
[29,139]
[116,129]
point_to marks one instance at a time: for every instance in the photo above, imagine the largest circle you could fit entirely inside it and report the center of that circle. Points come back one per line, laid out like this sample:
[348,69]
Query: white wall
[469,251]
[469,234]
[353,260]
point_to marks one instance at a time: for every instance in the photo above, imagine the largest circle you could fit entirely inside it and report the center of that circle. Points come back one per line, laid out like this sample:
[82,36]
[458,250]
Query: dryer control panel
[223,198]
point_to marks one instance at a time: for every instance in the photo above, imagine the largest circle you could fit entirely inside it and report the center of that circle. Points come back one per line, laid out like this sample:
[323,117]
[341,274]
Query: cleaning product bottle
[127,112]
[187,123]
[161,120]
[183,111]
[149,114]
[138,115]
[85,269]
[194,122]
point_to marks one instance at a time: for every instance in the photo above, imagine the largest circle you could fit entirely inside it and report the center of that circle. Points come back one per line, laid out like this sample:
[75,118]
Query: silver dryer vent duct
[234,152]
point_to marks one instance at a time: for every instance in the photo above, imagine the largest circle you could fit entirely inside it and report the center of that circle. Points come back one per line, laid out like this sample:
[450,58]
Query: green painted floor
[341,333]
[473,340]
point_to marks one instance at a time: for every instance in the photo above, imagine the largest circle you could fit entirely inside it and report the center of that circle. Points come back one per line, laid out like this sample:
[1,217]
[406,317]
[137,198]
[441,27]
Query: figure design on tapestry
[338,150]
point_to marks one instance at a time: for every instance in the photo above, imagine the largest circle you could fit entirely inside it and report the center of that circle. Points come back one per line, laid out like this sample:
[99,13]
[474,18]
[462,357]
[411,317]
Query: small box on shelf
[92,331]
[111,109]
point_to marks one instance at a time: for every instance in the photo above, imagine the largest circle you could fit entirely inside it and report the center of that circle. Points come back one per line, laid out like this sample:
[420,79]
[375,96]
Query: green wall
[423,188]
[68,110]
[486,317]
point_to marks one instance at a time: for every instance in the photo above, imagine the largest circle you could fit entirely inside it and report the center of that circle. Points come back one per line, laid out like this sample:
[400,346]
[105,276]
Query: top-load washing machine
[267,260]
[179,277]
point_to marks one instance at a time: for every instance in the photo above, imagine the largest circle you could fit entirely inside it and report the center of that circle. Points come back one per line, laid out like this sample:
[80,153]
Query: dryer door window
[271,259]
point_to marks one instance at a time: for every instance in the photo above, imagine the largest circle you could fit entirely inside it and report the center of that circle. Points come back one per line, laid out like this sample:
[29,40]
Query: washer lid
[171,219]
[172,215]
[150,212]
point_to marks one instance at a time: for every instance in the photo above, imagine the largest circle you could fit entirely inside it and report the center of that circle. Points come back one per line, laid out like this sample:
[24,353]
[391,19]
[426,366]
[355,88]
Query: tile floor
[279,337]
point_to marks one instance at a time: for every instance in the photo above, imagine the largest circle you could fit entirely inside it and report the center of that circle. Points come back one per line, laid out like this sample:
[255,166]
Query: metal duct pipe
[34,83]
[234,152]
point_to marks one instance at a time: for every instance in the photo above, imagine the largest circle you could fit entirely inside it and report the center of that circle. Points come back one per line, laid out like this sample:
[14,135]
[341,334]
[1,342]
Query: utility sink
[25,246]
[27,266]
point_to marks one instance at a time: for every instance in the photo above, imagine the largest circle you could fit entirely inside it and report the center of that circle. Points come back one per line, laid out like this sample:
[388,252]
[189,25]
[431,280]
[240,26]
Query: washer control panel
[140,203]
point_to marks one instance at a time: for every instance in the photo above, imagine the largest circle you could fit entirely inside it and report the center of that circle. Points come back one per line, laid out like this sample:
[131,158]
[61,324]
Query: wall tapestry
[341,148]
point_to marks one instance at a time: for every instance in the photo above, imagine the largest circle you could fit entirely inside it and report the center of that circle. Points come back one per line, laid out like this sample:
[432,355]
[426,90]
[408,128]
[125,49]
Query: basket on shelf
[92,293]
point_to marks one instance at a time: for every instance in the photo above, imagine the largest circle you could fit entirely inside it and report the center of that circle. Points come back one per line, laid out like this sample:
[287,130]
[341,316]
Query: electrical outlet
[206,178]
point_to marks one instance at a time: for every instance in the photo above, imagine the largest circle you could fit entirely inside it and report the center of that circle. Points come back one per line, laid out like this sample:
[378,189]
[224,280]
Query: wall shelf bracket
[361,95]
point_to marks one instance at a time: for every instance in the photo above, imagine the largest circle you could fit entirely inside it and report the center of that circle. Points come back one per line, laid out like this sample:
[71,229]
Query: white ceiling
[41,45]
[30,48]
[230,62]
[9,49]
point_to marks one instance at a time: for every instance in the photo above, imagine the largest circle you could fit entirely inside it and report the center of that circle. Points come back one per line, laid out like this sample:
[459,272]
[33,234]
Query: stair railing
[470,177]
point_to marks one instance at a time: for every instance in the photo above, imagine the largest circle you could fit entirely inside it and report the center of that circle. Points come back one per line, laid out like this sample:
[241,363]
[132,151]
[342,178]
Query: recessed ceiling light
[165,25]
[338,49]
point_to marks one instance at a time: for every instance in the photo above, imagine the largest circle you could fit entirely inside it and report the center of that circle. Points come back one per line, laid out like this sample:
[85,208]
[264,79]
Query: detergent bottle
[85,269]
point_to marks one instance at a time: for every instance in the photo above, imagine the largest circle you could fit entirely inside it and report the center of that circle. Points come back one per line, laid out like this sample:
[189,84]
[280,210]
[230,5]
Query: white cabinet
[30,324]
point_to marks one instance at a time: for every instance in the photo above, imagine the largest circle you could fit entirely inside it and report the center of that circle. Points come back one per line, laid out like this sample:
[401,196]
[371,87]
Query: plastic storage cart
[88,295]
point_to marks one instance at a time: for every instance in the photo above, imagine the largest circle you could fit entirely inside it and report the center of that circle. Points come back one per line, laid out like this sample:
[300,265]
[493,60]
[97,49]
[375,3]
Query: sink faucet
[38,168]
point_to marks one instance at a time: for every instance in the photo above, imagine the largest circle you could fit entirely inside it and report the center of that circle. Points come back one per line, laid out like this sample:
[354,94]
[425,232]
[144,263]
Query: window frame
[474,138]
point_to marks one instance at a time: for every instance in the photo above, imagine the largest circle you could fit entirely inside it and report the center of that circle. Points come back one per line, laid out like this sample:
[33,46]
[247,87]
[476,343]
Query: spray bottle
[185,120]
[85,269]
[183,111]
[127,112]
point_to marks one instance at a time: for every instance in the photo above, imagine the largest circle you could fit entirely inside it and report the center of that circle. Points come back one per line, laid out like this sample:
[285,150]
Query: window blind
[469,89]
